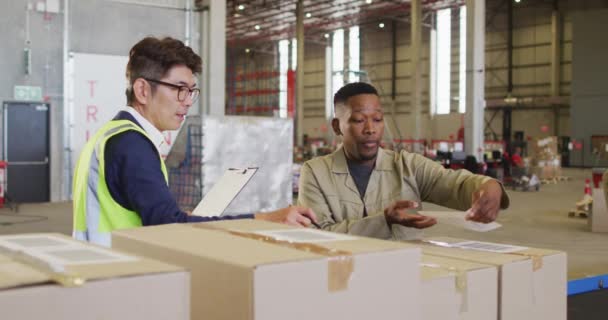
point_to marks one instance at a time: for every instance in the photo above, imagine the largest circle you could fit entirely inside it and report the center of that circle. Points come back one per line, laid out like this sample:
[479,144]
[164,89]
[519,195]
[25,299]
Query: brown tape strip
[537,260]
[340,264]
[460,279]
[60,277]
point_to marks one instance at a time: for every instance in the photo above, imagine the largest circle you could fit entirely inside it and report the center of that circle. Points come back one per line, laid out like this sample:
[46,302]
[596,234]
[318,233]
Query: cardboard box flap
[213,244]
[456,264]
[429,272]
[14,274]
[512,249]
[496,259]
[335,241]
[489,250]
[38,258]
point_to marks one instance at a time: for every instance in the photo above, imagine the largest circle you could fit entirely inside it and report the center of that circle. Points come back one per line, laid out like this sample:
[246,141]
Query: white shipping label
[304,235]
[61,252]
[459,219]
[487,246]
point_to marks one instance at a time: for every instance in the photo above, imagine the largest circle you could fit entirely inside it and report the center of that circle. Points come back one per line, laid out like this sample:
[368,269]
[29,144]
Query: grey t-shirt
[360,174]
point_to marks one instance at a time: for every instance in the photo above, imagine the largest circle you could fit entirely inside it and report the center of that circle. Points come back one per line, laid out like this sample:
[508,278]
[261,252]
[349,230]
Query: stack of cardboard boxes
[531,283]
[248,269]
[546,160]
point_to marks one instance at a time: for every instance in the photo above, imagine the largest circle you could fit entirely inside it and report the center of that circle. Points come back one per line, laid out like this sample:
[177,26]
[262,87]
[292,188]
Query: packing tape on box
[537,259]
[56,273]
[340,264]
[460,280]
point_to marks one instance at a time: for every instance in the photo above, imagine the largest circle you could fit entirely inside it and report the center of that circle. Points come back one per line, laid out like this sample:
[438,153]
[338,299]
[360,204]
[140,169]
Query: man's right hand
[292,215]
[397,213]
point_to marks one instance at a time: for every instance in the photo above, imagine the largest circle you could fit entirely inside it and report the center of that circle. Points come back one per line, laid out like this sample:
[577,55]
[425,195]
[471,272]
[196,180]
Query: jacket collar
[383,161]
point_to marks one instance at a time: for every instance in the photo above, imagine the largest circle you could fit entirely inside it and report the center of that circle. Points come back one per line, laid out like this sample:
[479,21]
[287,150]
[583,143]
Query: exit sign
[27,93]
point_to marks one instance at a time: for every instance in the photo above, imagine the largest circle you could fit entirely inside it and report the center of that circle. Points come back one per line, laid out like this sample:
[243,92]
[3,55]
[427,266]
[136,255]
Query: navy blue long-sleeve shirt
[136,182]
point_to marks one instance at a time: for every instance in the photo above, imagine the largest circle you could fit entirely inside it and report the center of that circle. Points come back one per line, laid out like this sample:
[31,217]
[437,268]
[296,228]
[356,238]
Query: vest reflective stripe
[96,213]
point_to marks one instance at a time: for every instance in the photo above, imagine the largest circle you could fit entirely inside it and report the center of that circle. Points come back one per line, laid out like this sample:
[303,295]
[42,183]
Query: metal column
[555,61]
[416,75]
[204,53]
[213,49]
[329,103]
[507,128]
[475,70]
[300,73]
[555,50]
[66,177]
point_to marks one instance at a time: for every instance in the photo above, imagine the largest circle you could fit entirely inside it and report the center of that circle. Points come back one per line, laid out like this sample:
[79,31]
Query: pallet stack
[546,161]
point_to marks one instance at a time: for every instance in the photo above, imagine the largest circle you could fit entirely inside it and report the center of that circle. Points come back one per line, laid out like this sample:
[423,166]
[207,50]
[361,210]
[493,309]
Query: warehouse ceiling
[254,21]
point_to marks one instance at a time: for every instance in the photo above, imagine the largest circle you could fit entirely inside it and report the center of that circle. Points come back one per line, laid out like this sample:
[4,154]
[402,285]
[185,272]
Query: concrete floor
[536,219]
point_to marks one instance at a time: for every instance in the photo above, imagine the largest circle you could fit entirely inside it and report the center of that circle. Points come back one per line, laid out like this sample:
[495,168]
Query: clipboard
[224,191]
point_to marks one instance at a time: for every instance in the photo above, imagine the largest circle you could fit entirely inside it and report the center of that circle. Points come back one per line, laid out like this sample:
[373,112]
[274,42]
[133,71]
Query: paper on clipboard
[458,219]
[224,191]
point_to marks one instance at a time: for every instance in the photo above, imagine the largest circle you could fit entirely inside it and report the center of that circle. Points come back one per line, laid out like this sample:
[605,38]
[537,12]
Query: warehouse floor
[537,219]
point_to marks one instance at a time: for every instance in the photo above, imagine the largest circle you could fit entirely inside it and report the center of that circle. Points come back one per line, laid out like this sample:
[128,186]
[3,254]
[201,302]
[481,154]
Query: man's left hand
[486,202]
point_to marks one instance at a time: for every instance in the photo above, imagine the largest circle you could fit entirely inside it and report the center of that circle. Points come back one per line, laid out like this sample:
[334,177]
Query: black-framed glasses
[182,91]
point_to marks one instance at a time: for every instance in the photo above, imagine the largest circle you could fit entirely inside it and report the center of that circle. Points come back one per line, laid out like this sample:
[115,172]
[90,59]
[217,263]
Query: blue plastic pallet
[587,284]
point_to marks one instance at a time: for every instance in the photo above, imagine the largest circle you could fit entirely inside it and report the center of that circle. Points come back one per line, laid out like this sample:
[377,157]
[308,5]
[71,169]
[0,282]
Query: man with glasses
[120,180]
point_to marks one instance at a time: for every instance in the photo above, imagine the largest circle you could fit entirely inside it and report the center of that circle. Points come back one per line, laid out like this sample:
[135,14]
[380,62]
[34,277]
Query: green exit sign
[27,93]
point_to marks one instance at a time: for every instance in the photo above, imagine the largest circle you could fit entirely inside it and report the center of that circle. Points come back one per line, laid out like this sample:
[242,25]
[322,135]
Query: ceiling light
[381,25]
[308,15]
[257,27]
[326,35]
[247,50]
[517,1]
[241,7]
[368,1]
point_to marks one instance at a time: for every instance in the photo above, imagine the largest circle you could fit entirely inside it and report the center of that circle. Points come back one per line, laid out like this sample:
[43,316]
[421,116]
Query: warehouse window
[283,66]
[337,60]
[440,50]
[353,54]
[462,75]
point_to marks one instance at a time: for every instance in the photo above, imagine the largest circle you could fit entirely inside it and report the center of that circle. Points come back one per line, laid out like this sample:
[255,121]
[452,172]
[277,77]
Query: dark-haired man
[120,180]
[363,189]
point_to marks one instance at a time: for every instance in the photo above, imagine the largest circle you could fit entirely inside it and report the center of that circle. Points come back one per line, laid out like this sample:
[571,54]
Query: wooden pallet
[578,214]
[555,180]
[549,181]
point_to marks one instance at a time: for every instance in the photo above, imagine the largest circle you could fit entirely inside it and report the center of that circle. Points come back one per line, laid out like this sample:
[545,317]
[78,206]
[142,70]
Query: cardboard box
[458,289]
[35,270]
[545,148]
[547,168]
[531,283]
[246,275]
